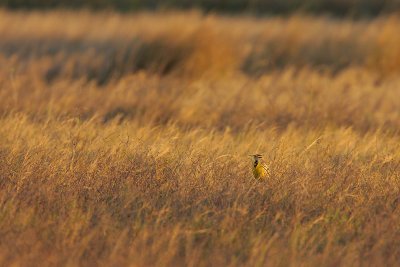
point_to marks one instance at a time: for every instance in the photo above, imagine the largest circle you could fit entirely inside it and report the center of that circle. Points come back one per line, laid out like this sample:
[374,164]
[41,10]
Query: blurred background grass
[107,46]
[355,8]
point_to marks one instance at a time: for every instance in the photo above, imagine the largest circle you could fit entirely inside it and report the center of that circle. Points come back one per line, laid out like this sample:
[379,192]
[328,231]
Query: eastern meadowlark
[260,169]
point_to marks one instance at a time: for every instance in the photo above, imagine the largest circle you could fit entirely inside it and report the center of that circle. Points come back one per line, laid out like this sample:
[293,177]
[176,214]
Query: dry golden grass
[124,140]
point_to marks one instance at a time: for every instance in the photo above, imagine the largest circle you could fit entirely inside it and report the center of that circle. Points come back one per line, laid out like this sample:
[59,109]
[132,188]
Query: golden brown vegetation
[124,140]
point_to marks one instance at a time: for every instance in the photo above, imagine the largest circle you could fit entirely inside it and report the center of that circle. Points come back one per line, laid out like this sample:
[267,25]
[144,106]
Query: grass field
[124,140]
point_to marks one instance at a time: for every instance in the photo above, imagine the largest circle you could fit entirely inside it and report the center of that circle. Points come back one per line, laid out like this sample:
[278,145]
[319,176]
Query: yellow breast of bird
[259,171]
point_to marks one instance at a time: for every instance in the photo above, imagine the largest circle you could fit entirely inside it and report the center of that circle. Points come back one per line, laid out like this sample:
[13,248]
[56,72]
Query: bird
[260,169]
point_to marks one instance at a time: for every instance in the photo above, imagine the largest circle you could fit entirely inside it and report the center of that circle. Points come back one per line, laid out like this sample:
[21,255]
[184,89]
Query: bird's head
[256,157]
